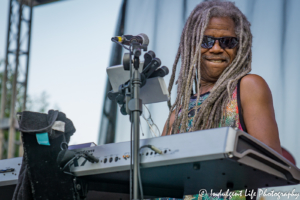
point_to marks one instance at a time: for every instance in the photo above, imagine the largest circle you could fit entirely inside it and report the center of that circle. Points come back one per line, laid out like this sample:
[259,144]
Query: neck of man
[206,86]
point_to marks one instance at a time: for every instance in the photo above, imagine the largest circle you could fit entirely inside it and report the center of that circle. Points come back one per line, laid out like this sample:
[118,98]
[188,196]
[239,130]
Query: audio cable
[139,161]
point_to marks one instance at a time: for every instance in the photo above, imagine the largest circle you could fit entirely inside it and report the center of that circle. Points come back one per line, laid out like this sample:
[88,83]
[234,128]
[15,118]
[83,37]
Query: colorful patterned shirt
[231,119]
[232,111]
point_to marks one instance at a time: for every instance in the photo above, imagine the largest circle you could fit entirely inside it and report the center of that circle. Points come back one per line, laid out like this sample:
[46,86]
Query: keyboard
[221,158]
[218,159]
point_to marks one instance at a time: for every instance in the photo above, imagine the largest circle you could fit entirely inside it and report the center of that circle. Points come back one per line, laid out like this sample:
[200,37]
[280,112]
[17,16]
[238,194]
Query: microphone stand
[129,97]
[135,108]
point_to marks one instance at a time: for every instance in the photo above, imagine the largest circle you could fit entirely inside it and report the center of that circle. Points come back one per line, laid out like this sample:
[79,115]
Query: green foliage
[37,104]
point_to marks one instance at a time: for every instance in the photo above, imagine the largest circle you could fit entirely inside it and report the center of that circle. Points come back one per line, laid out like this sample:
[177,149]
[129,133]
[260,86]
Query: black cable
[120,44]
[140,178]
[139,170]
[69,163]
[131,75]
[139,162]
[130,158]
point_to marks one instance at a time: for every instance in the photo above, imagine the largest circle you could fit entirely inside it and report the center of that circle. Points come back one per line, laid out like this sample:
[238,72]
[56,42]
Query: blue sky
[70,50]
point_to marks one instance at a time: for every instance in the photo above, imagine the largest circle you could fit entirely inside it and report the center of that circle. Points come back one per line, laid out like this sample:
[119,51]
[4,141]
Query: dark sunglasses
[225,42]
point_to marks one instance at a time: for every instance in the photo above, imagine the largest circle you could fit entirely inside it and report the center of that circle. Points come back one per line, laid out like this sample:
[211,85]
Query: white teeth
[216,61]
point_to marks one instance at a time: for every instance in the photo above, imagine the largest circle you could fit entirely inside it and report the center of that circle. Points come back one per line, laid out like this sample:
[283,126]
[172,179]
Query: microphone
[161,72]
[149,56]
[151,67]
[128,39]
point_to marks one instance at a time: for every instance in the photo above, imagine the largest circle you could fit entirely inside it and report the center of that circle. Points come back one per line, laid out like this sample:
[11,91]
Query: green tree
[37,104]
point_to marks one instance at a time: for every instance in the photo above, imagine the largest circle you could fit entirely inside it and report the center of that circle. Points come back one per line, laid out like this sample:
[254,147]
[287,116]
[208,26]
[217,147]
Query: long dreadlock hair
[189,51]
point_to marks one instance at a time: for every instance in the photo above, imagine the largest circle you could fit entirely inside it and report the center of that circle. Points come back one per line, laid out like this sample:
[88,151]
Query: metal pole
[28,53]
[26,73]
[12,131]
[4,80]
[136,129]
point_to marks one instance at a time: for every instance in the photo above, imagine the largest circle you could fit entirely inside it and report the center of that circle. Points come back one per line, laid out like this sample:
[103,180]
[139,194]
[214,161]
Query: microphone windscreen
[161,72]
[145,38]
[165,69]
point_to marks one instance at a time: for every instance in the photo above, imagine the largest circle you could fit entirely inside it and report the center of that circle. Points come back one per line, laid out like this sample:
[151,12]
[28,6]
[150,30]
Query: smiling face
[215,60]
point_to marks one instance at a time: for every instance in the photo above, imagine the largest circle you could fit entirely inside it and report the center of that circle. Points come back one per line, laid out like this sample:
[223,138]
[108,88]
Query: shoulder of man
[254,83]
[254,87]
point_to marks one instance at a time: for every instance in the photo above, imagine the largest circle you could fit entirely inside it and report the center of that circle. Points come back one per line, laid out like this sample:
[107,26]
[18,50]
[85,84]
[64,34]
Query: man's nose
[216,48]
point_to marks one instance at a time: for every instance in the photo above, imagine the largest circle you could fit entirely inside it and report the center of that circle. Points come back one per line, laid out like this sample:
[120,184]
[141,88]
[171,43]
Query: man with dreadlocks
[215,52]
[214,87]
